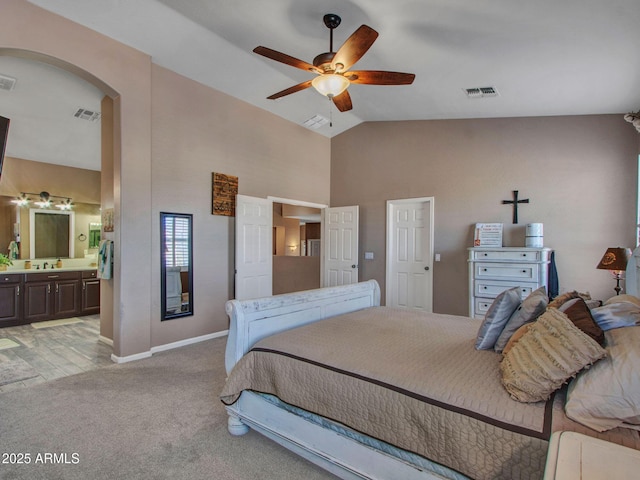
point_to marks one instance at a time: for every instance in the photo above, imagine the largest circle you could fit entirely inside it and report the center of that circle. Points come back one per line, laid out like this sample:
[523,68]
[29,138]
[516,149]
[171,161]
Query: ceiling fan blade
[343,101]
[286,59]
[354,48]
[380,77]
[290,90]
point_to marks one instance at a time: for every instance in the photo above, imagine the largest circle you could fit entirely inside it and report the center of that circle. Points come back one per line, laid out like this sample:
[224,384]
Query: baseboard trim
[166,346]
[105,340]
[188,341]
[130,358]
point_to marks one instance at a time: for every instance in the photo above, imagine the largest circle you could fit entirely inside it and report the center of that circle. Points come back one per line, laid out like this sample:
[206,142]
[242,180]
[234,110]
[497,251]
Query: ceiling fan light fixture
[330,85]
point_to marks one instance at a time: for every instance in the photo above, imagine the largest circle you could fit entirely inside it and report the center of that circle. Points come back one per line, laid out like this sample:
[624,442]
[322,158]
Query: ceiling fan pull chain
[330,113]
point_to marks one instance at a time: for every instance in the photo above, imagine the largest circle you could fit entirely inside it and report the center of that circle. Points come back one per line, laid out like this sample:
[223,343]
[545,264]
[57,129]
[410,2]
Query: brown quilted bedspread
[412,380]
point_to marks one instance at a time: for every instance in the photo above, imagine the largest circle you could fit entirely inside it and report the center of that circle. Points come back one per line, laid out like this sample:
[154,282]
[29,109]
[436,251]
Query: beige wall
[580,174]
[197,131]
[293,274]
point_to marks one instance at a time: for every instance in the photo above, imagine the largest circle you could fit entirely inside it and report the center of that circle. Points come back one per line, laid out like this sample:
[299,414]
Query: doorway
[409,279]
[255,237]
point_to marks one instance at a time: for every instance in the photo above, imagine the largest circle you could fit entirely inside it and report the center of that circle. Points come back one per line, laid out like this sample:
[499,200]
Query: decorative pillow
[616,315]
[551,352]
[578,312]
[496,318]
[606,395]
[531,308]
[515,337]
[625,297]
[560,299]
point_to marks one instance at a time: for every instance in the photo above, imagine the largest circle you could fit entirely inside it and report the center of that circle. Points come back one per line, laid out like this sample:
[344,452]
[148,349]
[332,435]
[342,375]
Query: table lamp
[615,259]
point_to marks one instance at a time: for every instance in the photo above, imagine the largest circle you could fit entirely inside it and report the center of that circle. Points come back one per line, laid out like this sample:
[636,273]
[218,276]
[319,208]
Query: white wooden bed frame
[252,320]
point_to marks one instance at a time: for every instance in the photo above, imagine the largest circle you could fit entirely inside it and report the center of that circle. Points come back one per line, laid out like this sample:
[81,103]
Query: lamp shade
[615,258]
[330,84]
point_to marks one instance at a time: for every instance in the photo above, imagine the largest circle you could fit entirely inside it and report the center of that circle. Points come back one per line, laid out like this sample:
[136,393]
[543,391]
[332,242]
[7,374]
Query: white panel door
[339,246]
[254,254]
[410,253]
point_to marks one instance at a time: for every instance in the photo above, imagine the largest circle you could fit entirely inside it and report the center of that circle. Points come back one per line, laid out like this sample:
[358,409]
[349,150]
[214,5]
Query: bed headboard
[254,319]
[632,275]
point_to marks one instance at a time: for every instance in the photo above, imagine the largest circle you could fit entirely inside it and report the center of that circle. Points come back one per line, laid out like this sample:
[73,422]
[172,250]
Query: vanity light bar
[45,200]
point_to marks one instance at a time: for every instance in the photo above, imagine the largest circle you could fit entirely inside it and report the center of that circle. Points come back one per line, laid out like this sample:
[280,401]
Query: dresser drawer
[493,288]
[507,271]
[507,255]
[482,306]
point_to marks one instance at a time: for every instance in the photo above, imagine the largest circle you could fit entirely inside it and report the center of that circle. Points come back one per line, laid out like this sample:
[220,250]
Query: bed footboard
[255,319]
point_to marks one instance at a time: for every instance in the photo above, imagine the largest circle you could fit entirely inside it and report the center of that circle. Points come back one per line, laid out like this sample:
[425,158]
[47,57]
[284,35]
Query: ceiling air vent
[316,122]
[479,92]
[7,83]
[85,114]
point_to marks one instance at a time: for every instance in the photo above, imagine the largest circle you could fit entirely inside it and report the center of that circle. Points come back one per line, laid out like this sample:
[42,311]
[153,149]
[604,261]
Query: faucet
[44,267]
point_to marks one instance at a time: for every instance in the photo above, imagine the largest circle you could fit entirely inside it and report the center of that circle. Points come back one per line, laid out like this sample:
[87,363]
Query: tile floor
[55,351]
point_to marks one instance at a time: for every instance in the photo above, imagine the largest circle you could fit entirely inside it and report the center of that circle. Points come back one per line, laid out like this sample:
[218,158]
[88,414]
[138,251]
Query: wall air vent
[479,92]
[7,83]
[85,114]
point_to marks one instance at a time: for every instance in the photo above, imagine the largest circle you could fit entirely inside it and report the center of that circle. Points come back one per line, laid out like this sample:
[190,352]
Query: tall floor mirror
[176,257]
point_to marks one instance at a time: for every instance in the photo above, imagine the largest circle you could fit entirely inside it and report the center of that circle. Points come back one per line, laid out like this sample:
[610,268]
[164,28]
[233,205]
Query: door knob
[426,268]
[354,266]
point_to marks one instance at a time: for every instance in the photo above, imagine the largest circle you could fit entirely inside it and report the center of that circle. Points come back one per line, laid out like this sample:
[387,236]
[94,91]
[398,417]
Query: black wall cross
[515,203]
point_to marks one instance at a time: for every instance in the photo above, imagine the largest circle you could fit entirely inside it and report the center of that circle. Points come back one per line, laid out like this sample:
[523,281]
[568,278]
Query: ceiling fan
[333,67]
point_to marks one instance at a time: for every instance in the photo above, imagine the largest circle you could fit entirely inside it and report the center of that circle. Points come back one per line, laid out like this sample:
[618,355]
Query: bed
[367,391]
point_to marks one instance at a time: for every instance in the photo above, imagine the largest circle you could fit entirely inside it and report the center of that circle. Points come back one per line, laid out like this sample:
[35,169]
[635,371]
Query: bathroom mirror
[52,233]
[176,264]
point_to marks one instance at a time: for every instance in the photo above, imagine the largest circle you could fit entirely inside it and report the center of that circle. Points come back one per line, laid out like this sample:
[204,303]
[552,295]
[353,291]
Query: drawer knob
[484,269]
[524,271]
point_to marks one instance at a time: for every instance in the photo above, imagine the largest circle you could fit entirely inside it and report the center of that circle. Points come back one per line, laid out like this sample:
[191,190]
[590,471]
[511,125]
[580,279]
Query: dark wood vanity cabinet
[90,292]
[11,291]
[47,295]
[51,295]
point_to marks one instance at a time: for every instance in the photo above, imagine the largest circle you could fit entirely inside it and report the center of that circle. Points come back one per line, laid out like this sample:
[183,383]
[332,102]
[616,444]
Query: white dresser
[493,270]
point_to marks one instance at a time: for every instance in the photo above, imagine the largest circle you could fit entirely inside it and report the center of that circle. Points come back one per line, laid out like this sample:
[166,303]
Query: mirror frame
[163,266]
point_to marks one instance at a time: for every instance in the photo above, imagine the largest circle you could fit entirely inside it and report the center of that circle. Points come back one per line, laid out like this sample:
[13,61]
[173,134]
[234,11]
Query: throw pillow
[606,395]
[616,315]
[496,318]
[531,308]
[560,299]
[551,352]
[624,297]
[515,337]
[578,312]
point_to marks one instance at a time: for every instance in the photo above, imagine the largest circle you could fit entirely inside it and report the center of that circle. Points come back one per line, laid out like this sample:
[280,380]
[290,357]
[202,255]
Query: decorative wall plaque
[225,189]
[107,220]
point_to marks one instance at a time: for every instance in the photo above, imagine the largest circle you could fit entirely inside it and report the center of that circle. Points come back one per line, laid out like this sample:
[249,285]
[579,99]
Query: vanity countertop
[48,270]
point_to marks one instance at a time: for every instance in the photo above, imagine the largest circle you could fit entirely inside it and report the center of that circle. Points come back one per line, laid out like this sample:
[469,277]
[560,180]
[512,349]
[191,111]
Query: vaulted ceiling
[543,57]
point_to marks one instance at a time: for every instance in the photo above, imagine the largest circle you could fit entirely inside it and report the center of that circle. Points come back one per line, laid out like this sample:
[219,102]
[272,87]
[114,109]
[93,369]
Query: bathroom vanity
[41,295]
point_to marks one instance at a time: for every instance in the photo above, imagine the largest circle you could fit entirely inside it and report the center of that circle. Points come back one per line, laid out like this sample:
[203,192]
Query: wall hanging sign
[488,235]
[107,220]
[224,191]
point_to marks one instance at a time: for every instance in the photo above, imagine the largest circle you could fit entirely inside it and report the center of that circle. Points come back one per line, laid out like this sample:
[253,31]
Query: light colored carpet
[16,371]
[55,323]
[7,343]
[157,418]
